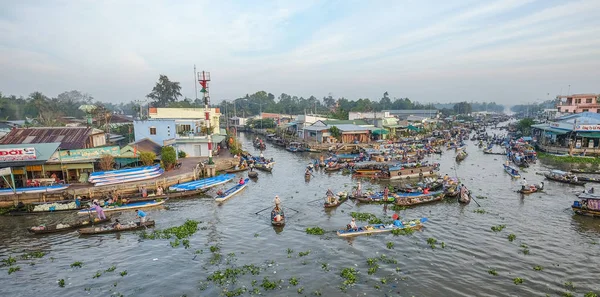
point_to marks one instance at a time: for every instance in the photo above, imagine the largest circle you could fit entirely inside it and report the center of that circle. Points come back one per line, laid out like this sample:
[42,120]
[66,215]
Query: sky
[503,51]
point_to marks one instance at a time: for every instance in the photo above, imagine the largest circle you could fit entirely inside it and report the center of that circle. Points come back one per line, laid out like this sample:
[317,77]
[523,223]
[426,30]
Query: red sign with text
[17,154]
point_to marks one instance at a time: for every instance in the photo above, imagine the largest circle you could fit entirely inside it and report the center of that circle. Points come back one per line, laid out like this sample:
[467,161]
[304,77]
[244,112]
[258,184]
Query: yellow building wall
[187,113]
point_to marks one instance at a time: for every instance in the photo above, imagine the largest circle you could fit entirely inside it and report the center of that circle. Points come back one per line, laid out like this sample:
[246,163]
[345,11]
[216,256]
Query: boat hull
[231,192]
[379,228]
[54,229]
[33,190]
[99,230]
[130,206]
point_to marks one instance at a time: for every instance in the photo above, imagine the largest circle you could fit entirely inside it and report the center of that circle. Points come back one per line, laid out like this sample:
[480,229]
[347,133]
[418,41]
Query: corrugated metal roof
[147,145]
[70,138]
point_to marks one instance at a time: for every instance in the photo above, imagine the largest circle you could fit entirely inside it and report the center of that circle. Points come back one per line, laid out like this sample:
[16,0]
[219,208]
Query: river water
[566,246]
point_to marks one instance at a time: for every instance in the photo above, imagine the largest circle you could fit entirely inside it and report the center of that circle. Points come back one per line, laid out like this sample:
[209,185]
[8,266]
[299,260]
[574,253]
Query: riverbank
[569,159]
[191,169]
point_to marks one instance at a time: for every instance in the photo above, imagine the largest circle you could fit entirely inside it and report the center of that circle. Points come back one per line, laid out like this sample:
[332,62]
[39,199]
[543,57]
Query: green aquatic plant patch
[315,231]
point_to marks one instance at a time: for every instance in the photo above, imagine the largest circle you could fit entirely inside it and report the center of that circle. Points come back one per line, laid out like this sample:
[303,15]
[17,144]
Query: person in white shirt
[353,225]
[277,201]
[523,184]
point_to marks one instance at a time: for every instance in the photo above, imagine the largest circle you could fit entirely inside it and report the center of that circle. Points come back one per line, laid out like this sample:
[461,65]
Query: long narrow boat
[170,195]
[236,170]
[461,156]
[381,228]
[263,167]
[128,178]
[334,168]
[128,206]
[231,191]
[563,177]
[204,183]
[589,179]
[32,190]
[585,171]
[110,229]
[419,200]
[46,208]
[65,227]
[513,172]
[121,172]
[337,203]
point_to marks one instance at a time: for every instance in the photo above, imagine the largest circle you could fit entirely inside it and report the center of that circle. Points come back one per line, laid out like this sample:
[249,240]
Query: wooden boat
[295,147]
[513,172]
[263,167]
[237,170]
[129,206]
[381,228]
[588,205]
[531,189]
[465,198]
[397,172]
[589,179]
[563,177]
[231,191]
[32,190]
[584,171]
[461,156]
[65,227]
[334,168]
[339,201]
[46,208]
[277,217]
[376,199]
[110,229]
[410,201]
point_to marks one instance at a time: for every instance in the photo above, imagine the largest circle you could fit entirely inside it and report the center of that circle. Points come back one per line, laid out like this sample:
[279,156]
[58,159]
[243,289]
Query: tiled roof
[70,138]
[147,145]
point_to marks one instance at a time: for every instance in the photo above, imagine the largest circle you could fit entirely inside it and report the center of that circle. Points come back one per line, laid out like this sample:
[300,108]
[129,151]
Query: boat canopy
[559,172]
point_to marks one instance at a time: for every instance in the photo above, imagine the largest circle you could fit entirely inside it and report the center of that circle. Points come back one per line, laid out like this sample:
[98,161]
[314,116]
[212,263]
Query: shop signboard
[17,154]
[587,127]
[85,154]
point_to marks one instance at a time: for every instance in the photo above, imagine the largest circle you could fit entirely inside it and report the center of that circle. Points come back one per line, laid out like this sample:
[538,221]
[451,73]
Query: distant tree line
[166,93]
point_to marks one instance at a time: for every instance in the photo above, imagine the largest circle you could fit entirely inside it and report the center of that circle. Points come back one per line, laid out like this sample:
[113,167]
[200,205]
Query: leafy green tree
[385,102]
[335,132]
[165,92]
[147,158]
[524,126]
[168,156]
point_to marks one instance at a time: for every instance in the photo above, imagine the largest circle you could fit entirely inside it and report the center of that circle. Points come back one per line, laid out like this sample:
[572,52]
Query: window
[152,130]
[589,100]
[586,110]
[577,101]
[183,128]
[598,110]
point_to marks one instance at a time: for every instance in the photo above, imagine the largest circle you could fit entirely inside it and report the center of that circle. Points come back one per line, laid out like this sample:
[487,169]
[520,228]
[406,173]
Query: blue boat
[204,183]
[381,228]
[231,191]
[129,206]
[121,172]
[295,147]
[53,188]
[513,172]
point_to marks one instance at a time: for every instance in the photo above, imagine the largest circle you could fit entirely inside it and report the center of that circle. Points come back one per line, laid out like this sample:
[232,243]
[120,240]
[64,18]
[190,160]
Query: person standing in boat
[141,215]
[144,192]
[159,191]
[523,184]
[277,201]
[386,192]
[358,189]
[99,210]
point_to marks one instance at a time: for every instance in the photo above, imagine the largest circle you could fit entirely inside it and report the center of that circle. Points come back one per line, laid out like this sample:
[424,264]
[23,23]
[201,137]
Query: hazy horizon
[506,51]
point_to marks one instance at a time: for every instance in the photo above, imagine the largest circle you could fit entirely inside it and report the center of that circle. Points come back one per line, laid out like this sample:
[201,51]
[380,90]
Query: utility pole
[195,86]
[203,79]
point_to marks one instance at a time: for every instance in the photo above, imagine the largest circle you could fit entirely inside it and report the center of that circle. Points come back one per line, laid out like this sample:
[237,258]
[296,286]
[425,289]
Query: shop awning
[380,132]
[589,134]
[547,128]
[37,154]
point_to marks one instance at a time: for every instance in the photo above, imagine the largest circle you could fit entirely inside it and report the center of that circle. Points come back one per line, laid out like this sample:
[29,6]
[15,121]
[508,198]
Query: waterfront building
[578,103]
[571,134]
[351,133]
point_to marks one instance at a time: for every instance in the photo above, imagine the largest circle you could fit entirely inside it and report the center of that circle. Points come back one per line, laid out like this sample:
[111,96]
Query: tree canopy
[165,92]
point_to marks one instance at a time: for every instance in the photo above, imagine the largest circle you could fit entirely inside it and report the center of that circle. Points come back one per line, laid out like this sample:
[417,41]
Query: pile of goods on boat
[55,206]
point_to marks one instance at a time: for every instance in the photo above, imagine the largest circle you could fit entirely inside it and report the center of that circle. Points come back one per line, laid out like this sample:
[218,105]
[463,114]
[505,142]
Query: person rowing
[141,215]
[397,221]
[241,181]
